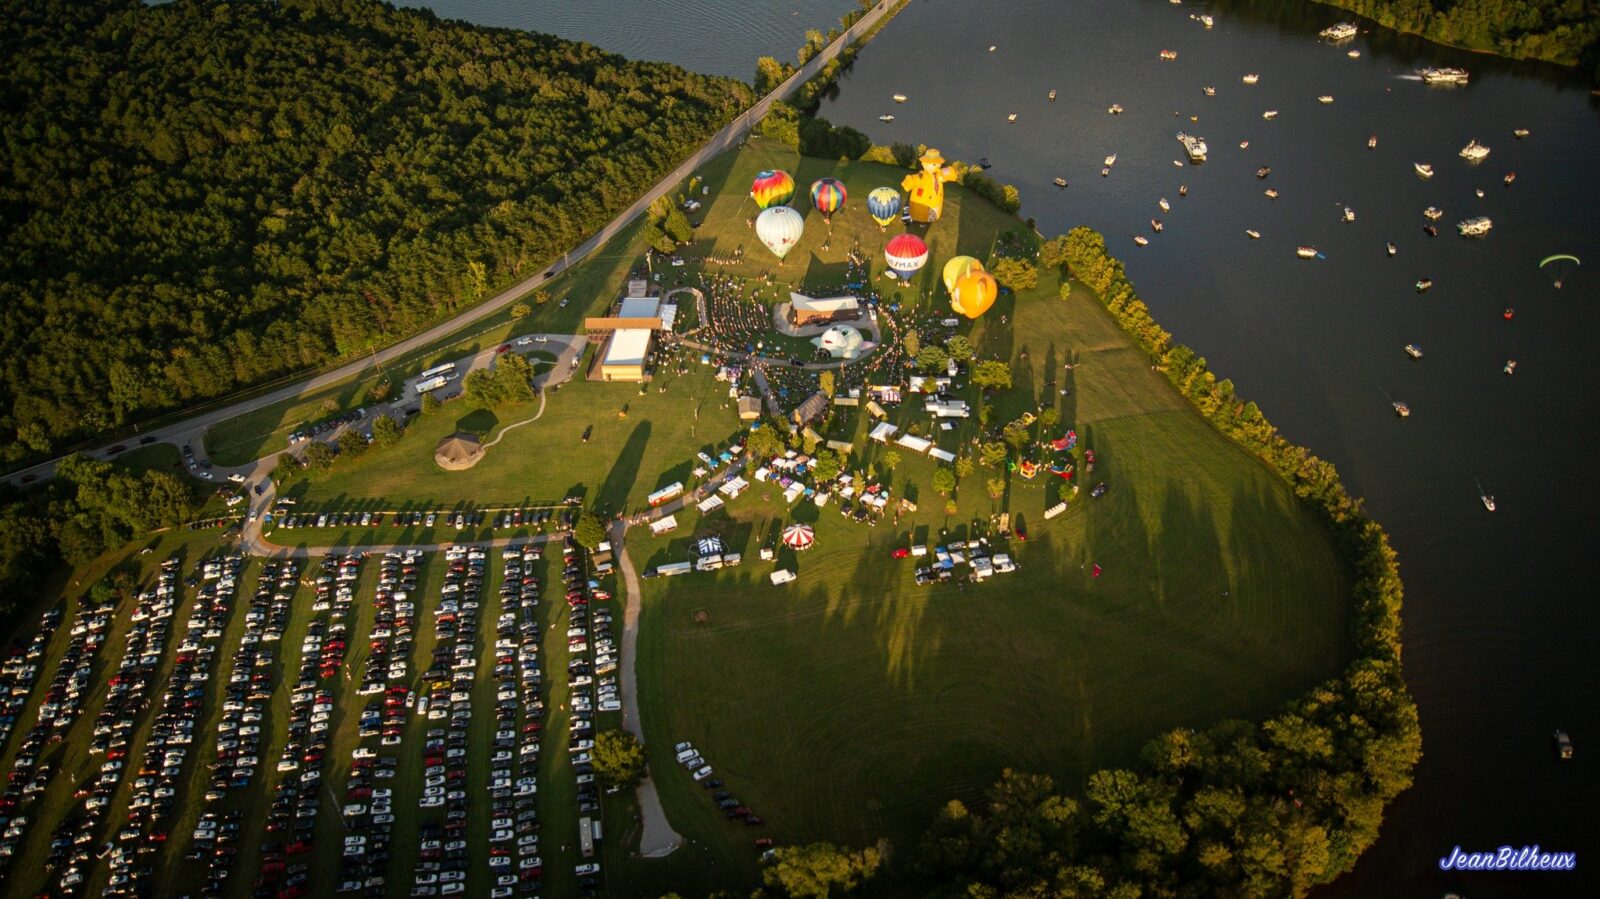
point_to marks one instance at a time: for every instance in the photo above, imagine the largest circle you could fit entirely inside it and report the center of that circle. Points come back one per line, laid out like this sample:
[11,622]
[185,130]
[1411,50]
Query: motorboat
[1563,745]
[991,47]
[1141,240]
[1487,500]
[984,163]
[1207,21]
[1433,213]
[1401,409]
[1244,145]
[1390,247]
[1511,366]
[1423,169]
[1340,32]
[1325,99]
[1169,54]
[1477,226]
[1507,313]
[1111,160]
[1510,177]
[1194,146]
[1430,230]
[1270,114]
[1115,109]
[1165,206]
[1155,225]
[1012,117]
[1372,142]
[1252,233]
[1474,151]
[1479,192]
[1250,78]
[1520,133]
[1424,284]
[1059,182]
[1306,252]
[886,117]
[1271,194]
[1183,190]
[1105,171]
[1349,214]
[1209,91]
[1263,172]
[1446,75]
[1177,163]
[901,98]
[1414,351]
[1354,54]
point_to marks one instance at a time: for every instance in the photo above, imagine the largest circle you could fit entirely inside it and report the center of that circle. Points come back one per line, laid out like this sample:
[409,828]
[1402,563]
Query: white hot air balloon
[780,227]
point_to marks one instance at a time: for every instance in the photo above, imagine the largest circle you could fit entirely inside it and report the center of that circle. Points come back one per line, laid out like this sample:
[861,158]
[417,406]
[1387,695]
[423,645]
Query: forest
[200,196]
[1559,31]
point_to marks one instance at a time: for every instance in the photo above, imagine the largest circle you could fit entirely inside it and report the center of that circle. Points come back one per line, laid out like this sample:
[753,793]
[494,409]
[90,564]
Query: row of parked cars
[693,762]
[460,520]
[18,675]
[327,426]
[584,642]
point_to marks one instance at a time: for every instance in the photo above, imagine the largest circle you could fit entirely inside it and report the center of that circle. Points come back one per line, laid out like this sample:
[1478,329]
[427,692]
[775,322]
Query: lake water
[717,37]
[1500,615]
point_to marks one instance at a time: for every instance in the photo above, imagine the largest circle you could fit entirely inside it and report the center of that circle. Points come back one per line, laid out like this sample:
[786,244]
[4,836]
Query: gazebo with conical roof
[458,452]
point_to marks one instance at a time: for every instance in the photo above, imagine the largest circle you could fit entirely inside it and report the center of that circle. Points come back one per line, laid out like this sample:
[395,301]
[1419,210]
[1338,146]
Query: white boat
[1194,146]
[1474,151]
[1372,142]
[886,118]
[1306,252]
[1165,206]
[991,48]
[1252,233]
[1012,117]
[1423,169]
[1433,213]
[1207,21]
[1272,194]
[1155,225]
[1444,75]
[1325,99]
[1354,54]
[1209,91]
[1487,500]
[1391,248]
[899,98]
[1401,409]
[1052,93]
[1270,114]
[1477,226]
[1244,145]
[1141,240]
[1115,109]
[1340,32]
[1111,160]
[1169,54]
[1059,182]
[1511,366]
[1349,214]
[1250,78]
[1414,351]
[1520,133]
[1479,192]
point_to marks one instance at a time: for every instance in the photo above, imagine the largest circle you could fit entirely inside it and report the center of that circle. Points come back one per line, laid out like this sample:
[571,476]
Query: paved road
[192,430]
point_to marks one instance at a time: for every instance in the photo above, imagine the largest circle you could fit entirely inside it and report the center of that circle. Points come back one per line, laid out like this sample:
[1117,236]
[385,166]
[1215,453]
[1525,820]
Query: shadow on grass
[613,492]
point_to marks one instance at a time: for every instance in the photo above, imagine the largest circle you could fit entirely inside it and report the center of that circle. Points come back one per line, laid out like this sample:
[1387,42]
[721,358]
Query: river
[1500,612]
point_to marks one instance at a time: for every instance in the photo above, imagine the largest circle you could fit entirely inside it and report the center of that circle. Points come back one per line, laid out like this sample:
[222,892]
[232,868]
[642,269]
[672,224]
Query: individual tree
[481,388]
[1017,274]
[991,374]
[590,531]
[996,487]
[993,454]
[541,297]
[430,403]
[932,359]
[513,375]
[944,481]
[891,460]
[911,343]
[386,431]
[1049,417]
[1016,434]
[352,443]
[826,466]
[820,870]
[1054,252]
[950,507]
[521,310]
[964,466]
[619,758]
[959,348]
[825,382]
[764,443]
[317,456]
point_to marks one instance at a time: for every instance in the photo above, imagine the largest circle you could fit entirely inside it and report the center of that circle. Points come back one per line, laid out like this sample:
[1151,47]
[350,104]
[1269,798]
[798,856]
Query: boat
[1115,109]
[886,118]
[984,163]
[1372,142]
[1349,214]
[1424,284]
[1430,230]
[1488,501]
[1155,225]
[1390,247]
[1446,75]
[1510,177]
[1012,117]
[1252,233]
[1059,182]
[1263,172]
[1195,146]
[1507,313]
[1563,744]
[1306,252]
[1354,54]
[899,98]
[1177,163]
[1250,78]
[1207,21]
[1474,151]
[1401,409]
[991,48]
[1511,366]
[1169,54]
[1423,169]
[1413,351]
[1271,194]
[1111,160]
[1433,213]
[1105,171]
[1340,32]
[1244,145]
[1183,190]
[1052,95]
[1209,91]
[1165,206]
[1477,226]
[1479,192]
[1270,114]
[1325,99]
[1520,133]
[1141,240]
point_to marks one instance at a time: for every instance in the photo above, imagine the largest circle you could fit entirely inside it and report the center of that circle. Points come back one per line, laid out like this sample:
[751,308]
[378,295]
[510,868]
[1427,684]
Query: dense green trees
[1563,31]
[204,195]
[510,381]
[619,758]
[590,531]
[820,870]
[1239,809]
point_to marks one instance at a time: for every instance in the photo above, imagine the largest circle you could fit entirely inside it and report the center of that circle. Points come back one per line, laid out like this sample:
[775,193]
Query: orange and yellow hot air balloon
[926,187]
[974,293]
[772,188]
[956,267]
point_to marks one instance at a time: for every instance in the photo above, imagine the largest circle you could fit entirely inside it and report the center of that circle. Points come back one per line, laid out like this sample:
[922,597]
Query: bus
[447,369]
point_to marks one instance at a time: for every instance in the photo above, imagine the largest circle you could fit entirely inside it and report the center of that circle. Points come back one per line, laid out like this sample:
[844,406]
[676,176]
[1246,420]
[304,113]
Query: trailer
[433,383]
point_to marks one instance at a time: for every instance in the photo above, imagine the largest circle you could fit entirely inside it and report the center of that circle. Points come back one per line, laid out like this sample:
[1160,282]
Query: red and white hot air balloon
[906,254]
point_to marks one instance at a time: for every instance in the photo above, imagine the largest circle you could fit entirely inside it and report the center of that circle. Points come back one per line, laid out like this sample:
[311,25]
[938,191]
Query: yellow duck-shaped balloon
[926,188]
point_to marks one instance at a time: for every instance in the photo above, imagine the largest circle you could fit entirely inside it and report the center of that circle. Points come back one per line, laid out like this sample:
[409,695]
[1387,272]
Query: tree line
[203,195]
[1559,31]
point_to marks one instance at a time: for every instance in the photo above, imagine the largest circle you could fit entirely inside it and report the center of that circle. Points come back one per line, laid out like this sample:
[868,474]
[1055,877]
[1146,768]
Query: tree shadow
[478,421]
[613,493]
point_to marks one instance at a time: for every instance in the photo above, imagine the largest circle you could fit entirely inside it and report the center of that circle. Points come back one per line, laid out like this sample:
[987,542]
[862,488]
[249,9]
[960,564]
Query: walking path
[517,424]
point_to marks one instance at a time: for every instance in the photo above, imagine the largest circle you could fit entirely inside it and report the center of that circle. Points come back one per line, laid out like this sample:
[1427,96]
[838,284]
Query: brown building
[805,311]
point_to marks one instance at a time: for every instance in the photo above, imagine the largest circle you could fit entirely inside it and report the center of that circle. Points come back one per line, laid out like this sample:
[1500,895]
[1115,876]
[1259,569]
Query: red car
[502,348]
[901,553]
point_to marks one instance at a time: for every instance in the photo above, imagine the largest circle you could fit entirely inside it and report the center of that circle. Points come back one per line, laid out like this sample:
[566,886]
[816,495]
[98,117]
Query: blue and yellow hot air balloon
[883,204]
[828,195]
[772,188]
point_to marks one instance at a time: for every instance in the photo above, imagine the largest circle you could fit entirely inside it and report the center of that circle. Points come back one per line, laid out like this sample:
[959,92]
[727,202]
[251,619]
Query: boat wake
[1408,77]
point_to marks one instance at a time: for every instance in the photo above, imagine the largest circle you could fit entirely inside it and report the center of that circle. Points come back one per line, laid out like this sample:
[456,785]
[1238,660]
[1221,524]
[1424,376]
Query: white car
[703,773]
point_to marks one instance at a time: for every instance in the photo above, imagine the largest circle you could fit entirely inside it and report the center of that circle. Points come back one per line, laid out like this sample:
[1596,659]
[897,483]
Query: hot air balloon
[926,187]
[974,293]
[827,194]
[780,227]
[956,267]
[883,204]
[906,254]
[772,188]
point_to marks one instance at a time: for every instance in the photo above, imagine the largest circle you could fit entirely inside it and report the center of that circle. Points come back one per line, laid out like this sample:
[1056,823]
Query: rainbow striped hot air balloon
[772,188]
[827,194]
[956,267]
[974,293]
[883,204]
[779,227]
[905,255]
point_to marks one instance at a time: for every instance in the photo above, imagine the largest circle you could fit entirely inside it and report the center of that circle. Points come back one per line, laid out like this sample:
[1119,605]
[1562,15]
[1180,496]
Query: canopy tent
[799,537]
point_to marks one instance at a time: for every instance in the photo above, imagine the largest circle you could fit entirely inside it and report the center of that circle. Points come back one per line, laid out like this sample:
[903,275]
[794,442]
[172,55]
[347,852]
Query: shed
[663,525]
[749,408]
